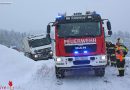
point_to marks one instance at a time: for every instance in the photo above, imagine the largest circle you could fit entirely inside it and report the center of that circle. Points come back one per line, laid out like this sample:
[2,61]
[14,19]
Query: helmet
[118,38]
[119,41]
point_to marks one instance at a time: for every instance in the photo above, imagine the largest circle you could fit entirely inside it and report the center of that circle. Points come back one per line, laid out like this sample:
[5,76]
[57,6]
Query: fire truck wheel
[59,73]
[100,72]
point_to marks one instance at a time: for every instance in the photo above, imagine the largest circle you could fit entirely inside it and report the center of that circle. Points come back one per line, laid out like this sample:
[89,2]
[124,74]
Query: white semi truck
[37,47]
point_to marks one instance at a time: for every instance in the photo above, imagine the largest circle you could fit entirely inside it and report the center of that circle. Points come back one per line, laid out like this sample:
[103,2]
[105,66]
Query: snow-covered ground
[27,74]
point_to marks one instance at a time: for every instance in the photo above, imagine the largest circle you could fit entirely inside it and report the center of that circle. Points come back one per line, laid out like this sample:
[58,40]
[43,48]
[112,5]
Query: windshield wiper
[91,35]
[72,36]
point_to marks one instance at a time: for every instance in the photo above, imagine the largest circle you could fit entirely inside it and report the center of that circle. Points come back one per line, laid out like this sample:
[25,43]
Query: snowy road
[45,80]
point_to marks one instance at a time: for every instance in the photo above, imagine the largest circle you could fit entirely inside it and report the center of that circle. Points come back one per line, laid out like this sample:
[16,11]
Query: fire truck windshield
[39,42]
[90,29]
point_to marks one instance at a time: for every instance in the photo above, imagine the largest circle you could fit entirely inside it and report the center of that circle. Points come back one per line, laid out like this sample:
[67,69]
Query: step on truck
[79,42]
[37,47]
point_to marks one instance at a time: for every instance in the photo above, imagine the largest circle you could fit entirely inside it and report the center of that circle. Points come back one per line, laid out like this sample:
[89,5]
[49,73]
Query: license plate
[81,58]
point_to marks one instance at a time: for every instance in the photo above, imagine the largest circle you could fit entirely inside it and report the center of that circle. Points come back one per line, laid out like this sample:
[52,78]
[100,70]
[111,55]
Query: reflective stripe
[112,54]
[113,62]
[126,49]
[111,47]
[121,69]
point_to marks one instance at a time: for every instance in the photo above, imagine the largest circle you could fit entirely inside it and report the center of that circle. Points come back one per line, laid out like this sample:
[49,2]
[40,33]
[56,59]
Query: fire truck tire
[59,73]
[100,72]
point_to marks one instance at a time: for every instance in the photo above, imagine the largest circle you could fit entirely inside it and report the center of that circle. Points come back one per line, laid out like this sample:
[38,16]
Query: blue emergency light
[76,52]
[85,52]
[60,17]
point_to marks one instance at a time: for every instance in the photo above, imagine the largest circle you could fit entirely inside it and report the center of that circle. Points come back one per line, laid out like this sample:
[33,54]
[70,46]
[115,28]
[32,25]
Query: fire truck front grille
[80,49]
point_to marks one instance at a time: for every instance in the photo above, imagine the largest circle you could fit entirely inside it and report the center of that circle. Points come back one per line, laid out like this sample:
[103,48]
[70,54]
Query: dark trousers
[120,66]
[108,58]
[113,60]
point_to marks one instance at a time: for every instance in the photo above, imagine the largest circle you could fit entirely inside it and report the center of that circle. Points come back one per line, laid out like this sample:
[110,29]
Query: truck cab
[80,43]
[38,47]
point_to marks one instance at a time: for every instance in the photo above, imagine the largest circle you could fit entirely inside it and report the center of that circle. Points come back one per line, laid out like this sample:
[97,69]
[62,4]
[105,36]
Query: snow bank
[14,66]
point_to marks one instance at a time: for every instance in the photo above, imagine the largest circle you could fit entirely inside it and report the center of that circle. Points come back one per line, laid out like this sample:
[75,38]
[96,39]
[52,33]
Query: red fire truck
[79,42]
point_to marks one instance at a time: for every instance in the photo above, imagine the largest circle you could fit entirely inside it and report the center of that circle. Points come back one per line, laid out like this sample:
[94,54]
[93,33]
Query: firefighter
[120,51]
[112,54]
[108,52]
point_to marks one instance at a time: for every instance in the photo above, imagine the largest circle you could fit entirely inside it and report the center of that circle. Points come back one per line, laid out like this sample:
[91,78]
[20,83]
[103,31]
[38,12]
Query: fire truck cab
[79,42]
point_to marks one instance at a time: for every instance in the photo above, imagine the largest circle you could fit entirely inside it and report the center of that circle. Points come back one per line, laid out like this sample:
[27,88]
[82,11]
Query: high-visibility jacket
[120,52]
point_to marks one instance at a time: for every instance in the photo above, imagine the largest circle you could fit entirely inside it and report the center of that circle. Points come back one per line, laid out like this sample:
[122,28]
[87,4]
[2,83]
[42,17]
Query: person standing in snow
[108,52]
[120,51]
[112,54]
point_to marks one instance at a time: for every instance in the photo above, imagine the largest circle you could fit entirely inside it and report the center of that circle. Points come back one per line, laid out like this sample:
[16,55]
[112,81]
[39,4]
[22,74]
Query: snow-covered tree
[11,38]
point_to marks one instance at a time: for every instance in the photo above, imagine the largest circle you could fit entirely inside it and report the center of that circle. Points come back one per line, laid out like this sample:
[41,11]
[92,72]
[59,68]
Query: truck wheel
[59,73]
[100,72]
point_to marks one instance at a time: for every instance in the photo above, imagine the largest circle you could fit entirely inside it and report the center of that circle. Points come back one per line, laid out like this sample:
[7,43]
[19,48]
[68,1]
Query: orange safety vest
[119,55]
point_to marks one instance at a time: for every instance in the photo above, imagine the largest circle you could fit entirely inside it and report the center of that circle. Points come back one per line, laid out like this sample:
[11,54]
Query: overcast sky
[34,15]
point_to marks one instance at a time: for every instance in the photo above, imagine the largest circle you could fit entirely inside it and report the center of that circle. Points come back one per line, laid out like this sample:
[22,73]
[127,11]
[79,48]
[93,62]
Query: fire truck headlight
[103,57]
[58,59]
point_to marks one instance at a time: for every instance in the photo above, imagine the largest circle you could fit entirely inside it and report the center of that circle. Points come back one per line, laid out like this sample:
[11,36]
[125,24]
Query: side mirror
[110,33]
[108,25]
[48,28]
